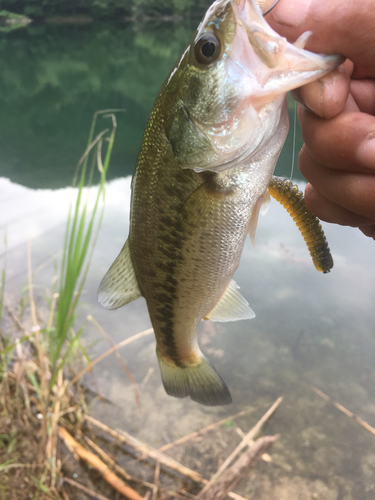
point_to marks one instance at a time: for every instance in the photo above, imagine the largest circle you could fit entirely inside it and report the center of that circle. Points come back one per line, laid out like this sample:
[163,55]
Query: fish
[202,173]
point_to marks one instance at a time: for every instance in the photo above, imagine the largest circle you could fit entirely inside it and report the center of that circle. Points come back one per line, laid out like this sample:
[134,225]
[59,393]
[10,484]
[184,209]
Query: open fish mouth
[277,65]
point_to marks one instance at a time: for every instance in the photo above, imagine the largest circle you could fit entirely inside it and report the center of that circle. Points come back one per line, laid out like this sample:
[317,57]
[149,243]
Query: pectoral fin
[232,306]
[119,286]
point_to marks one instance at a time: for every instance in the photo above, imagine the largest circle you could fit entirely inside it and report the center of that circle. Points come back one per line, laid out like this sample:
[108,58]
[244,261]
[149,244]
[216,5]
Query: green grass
[55,340]
[80,238]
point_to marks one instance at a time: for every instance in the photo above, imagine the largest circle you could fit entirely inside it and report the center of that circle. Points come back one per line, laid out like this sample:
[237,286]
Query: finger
[327,96]
[369,231]
[352,191]
[337,27]
[363,92]
[346,142]
[329,211]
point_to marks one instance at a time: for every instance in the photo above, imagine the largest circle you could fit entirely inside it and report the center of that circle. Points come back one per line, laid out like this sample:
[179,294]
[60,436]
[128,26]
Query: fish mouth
[277,65]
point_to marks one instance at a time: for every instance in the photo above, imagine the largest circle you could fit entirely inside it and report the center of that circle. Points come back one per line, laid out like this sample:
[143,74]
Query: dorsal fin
[232,306]
[119,286]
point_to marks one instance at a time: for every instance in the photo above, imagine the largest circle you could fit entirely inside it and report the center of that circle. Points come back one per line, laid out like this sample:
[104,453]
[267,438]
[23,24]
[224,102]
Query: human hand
[337,113]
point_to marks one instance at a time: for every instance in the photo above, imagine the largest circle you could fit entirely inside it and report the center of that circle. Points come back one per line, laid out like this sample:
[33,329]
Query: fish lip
[273,64]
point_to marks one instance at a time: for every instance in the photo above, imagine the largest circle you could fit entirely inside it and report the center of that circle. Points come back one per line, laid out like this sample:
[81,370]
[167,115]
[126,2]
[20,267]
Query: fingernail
[291,13]
[366,153]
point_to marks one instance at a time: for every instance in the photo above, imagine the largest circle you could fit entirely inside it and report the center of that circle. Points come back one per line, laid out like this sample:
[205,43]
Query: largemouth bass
[207,156]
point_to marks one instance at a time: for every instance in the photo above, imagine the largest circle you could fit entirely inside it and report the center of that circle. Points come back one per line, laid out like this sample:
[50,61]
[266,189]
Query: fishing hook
[272,6]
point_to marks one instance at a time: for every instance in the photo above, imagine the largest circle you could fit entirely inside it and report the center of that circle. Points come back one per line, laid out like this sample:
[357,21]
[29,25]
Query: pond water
[310,329]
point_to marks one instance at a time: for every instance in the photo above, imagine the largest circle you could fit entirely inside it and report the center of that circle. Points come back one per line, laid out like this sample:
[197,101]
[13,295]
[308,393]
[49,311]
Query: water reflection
[54,78]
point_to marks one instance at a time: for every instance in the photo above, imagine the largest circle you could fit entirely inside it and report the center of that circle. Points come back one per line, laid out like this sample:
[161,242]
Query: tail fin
[199,380]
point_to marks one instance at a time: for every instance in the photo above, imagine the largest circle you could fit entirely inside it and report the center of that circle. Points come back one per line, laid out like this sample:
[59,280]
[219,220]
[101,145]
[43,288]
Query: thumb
[343,27]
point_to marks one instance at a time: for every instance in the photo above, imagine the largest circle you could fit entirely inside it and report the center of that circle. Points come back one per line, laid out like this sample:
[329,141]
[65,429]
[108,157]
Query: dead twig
[107,458]
[205,429]
[64,493]
[231,477]
[250,436]
[107,353]
[146,450]
[97,464]
[347,412]
[155,489]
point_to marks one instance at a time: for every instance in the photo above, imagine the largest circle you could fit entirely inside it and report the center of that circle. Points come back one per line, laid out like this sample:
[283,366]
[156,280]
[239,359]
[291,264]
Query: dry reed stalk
[347,412]
[232,476]
[51,449]
[146,450]
[123,364]
[43,362]
[205,429]
[155,489]
[21,466]
[69,410]
[19,368]
[100,466]
[107,353]
[53,493]
[107,458]
[13,376]
[4,389]
[250,436]
[64,493]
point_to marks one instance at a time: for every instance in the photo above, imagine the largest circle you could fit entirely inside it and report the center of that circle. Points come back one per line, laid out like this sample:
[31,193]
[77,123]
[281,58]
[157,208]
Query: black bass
[207,156]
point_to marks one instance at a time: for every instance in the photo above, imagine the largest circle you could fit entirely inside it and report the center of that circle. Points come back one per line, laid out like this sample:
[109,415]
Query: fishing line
[272,6]
[294,139]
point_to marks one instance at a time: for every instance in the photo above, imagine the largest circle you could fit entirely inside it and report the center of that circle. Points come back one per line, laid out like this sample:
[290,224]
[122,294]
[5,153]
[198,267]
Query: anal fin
[119,286]
[232,306]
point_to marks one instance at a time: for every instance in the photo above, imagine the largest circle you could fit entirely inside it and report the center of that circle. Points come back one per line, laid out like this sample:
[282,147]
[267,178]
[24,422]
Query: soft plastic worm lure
[291,198]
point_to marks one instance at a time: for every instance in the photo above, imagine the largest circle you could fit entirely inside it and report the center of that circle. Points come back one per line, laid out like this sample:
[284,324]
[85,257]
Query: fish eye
[207,48]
